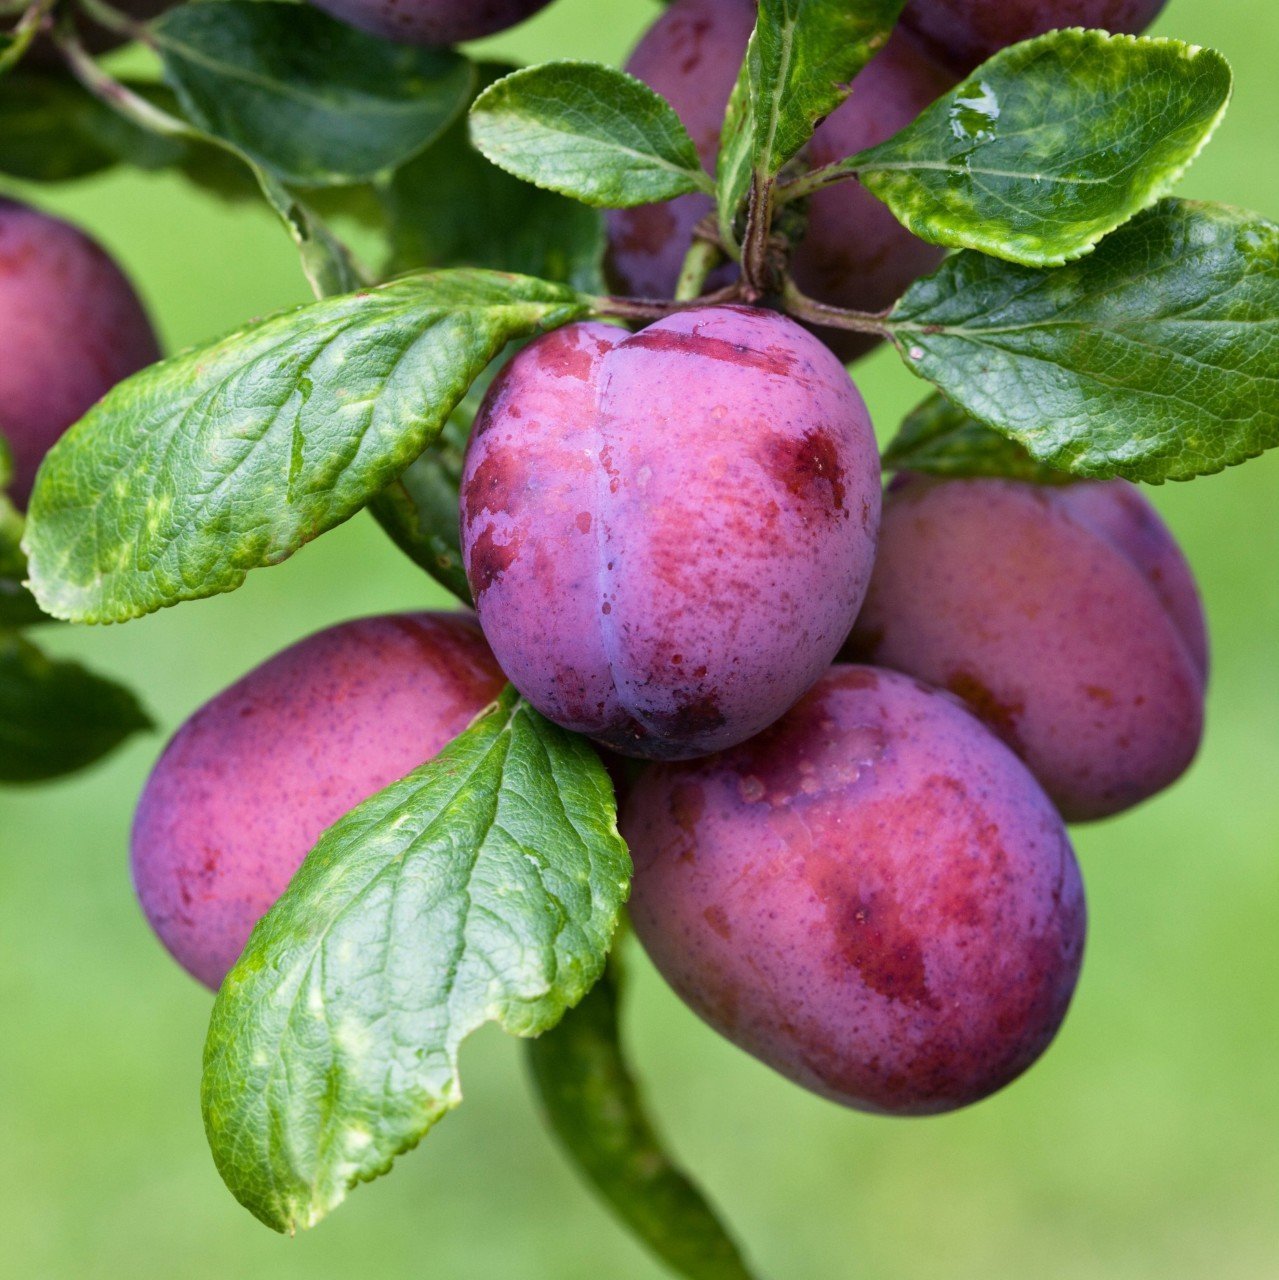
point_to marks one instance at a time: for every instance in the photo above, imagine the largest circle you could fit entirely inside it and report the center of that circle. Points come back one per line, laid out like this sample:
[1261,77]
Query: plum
[432,21]
[855,253]
[71,327]
[874,897]
[1066,617]
[247,785]
[966,32]
[665,532]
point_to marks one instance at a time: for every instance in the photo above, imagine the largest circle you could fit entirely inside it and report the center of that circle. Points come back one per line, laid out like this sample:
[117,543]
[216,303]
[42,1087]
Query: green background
[1144,1145]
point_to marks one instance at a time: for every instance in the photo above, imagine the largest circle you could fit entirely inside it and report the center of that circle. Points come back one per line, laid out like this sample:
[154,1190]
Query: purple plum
[874,897]
[966,32]
[855,254]
[1066,617]
[246,787]
[666,532]
[432,21]
[71,327]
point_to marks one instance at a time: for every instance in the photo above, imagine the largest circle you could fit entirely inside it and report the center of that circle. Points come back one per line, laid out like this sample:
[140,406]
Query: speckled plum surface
[71,327]
[874,897]
[432,21]
[666,532]
[966,32]
[856,254]
[248,784]
[1066,617]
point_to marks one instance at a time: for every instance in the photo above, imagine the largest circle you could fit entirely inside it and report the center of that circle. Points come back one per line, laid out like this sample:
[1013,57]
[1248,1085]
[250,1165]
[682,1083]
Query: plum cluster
[864,717]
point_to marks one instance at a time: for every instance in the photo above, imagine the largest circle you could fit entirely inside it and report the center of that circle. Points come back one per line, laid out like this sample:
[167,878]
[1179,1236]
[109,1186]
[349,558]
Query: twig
[658,309]
[702,258]
[25,31]
[803,307]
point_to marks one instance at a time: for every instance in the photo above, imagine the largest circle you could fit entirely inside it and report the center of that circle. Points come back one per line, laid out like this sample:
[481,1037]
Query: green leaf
[52,130]
[56,717]
[451,207]
[484,887]
[233,456]
[313,100]
[1152,358]
[1051,144]
[327,263]
[17,606]
[799,65]
[419,510]
[593,1104]
[940,439]
[589,132]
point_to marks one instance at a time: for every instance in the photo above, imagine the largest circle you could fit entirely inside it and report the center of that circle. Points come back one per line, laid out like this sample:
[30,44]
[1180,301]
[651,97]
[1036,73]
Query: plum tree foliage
[664,503]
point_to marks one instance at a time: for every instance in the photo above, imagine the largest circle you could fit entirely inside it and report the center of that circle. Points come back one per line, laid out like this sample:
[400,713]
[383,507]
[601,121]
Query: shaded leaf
[52,130]
[451,207]
[1152,358]
[314,100]
[940,439]
[484,887]
[56,717]
[233,456]
[419,510]
[594,1106]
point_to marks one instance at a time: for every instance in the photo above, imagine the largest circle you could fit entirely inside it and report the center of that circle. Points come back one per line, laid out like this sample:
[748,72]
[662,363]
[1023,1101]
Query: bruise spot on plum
[807,752]
[1098,693]
[560,356]
[687,804]
[775,360]
[717,918]
[871,937]
[808,469]
[496,484]
[690,718]
[490,559]
[1001,716]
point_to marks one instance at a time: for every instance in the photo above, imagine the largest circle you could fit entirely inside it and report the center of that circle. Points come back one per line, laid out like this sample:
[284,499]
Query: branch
[815,180]
[24,32]
[658,309]
[809,309]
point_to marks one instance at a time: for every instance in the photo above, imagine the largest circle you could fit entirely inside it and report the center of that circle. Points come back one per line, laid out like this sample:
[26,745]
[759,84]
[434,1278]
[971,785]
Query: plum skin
[247,785]
[665,532]
[431,22]
[1066,617]
[874,897]
[855,253]
[71,327]
[966,32]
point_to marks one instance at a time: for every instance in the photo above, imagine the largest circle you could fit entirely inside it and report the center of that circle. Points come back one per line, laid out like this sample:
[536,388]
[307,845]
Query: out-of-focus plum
[246,787]
[1066,617]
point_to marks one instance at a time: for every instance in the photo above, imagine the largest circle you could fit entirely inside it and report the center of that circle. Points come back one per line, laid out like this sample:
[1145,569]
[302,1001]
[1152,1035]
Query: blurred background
[1146,1143]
